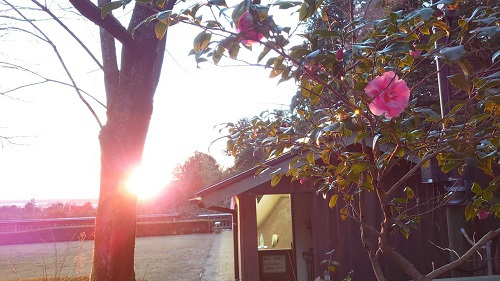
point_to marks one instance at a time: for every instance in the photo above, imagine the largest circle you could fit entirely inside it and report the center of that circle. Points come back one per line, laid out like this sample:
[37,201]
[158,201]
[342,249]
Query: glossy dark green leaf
[261,10]
[108,7]
[333,201]
[409,192]
[201,41]
[240,9]
[317,90]
[323,33]
[426,13]
[263,53]
[160,29]
[359,167]
[460,81]
[452,54]
[160,3]
[275,179]
[334,127]
[397,47]
[217,3]
[495,56]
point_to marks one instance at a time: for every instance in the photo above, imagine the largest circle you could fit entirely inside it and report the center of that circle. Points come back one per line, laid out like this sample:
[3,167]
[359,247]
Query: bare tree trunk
[129,91]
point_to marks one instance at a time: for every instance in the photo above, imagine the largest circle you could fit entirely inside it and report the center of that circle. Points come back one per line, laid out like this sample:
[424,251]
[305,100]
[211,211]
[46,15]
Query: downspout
[460,188]
[234,214]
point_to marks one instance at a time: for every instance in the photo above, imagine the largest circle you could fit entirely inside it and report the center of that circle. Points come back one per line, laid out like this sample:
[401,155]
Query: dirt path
[207,257]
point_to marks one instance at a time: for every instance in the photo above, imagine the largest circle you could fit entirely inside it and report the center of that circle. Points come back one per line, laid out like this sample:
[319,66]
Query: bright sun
[144,184]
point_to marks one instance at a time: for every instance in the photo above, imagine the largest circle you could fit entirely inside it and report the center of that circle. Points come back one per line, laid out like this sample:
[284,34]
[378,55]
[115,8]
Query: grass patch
[176,257]
[65,278]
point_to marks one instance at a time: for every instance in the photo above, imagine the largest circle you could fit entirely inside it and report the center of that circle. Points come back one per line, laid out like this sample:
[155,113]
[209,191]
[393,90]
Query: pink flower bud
[416,53]
[483,214]
[303,180]
[340,54]
[389,95]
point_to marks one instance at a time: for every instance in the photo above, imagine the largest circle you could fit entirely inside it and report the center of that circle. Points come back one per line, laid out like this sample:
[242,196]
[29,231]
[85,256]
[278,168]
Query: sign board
[274,264]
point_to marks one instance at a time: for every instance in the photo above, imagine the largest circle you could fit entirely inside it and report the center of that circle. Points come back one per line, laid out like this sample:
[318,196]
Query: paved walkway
[220,260]
[192,257]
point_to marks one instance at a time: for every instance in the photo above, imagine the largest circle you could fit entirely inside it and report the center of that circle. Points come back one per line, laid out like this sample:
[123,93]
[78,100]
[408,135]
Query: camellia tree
[354,86]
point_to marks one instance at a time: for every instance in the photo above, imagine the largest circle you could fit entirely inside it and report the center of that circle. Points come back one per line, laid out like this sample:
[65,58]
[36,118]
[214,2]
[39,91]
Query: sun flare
[144,184]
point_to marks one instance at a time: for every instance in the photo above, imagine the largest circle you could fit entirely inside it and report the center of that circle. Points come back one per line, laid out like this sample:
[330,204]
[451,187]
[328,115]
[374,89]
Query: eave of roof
[237,184]
[241,182]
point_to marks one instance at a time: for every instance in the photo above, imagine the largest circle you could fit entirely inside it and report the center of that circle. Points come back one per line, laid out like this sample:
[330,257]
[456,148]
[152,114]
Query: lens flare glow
[144,184]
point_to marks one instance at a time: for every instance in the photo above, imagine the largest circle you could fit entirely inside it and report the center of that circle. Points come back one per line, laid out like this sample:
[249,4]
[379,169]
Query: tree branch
[109,22]
[61,60]
[110,62]
[46,10]
[413,170]
[488,236]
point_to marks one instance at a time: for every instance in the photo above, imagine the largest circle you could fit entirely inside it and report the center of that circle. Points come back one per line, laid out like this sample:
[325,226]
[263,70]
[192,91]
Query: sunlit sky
[55,152]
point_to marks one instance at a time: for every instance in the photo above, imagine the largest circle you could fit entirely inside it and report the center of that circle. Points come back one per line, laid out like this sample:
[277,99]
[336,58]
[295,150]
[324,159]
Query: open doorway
[275,237]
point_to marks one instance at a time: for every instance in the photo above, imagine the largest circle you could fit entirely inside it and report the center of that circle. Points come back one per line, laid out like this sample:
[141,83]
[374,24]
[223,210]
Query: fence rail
[225,220]
[12,226]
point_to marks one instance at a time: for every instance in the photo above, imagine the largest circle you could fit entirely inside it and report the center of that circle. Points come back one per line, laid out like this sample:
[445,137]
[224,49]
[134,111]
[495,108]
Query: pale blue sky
[60,154]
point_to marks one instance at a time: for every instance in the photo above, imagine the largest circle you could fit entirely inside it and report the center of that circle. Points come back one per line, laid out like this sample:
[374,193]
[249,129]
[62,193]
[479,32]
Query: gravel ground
[203,257]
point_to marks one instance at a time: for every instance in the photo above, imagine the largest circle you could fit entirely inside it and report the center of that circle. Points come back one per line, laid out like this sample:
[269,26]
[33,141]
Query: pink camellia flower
[483,214]
[389,95]
[415,54]
[247,25]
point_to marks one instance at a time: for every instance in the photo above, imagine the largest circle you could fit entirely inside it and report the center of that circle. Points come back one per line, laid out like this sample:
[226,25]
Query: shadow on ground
[206,257]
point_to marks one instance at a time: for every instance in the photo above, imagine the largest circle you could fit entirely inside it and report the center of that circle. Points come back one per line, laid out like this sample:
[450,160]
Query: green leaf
[287,4]
[217,3]
[450,166]
[343,213]
[470,212]
[442,25]
[325,155]
[310,158]
[317,90]
[217,55]
[409,192]
[322,33]
[263,53]
[349,124]
[426,13]
[460,81]
[108,7]
[367,186]
[476,189]
[262,11]
[160,3]
[452,54]
[397,47]
[164,17]
[361,136]
[306,11]
[495,56]
[201,41]
[466,67]
[160,29]
[359,167]
[444,2]
[275,179]
[334,127]
[305,87]
[333,201]
[239,10]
